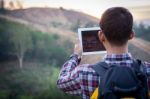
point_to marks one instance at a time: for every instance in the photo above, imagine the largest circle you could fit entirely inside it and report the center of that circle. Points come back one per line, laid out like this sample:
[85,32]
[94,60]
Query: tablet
[90,42]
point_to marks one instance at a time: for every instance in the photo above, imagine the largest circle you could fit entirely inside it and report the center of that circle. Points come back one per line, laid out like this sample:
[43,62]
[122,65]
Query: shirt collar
[111,58]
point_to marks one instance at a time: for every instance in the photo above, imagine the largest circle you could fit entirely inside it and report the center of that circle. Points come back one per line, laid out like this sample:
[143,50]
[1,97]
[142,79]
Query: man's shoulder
[87,73]
[147,67]
[146,63]
[86,68]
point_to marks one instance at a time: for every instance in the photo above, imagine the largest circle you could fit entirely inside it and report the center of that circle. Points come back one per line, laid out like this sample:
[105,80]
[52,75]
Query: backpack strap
[139,67]
[100,68]
[136,65]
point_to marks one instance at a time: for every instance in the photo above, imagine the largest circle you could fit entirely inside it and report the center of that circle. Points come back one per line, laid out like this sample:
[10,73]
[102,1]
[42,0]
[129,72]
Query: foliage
[5,45]
[56,24]
[20,38]
[75,26]
[35,81]
[90,24]
[142,31]
[37,46]
[21,41]
[46,48]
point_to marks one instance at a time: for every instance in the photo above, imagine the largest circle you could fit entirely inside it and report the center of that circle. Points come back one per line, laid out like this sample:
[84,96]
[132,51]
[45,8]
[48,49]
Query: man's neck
[117,49]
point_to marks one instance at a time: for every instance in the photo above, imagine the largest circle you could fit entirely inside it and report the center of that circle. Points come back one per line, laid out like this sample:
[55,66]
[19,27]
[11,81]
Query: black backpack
[121,81]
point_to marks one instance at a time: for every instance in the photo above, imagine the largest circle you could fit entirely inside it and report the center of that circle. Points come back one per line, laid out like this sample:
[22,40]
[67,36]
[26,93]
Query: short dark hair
[116,24]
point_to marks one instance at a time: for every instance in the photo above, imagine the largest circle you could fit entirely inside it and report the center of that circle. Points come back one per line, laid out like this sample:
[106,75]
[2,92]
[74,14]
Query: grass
[34,81]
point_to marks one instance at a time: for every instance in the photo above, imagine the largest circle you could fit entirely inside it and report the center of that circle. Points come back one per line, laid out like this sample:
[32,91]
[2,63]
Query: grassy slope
[34,81]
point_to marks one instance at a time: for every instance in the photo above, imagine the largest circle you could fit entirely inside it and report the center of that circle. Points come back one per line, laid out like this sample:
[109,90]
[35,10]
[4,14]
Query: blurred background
[37,37]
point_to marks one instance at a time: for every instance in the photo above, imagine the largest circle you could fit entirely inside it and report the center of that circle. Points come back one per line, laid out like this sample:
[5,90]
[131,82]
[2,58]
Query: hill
[62,21]
[45,16]
[65,23]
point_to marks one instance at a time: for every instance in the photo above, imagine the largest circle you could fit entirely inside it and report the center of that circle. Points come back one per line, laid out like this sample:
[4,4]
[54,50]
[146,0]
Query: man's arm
[147,67]
[68,80]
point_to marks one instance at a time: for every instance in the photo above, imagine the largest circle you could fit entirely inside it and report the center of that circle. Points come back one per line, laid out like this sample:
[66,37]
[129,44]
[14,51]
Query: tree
[11,4]
[19,4]
[22,42]
[15,4]
[2,6]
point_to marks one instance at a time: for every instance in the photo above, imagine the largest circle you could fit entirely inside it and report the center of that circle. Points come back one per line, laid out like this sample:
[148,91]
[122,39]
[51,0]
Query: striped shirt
[82,79]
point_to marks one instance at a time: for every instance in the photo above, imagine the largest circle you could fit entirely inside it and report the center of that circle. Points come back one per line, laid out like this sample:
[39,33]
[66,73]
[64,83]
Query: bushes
[35,81]
[4,94]
[45,47]
[142,31]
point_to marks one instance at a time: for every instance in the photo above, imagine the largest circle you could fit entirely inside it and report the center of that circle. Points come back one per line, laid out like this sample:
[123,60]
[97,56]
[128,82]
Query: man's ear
[132,35]
[101,36]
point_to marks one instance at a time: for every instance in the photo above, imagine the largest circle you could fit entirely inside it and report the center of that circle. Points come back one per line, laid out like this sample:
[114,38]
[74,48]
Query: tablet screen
[90,42]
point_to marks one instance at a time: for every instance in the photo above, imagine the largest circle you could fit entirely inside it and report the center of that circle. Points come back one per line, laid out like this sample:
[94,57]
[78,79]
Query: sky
[140,8]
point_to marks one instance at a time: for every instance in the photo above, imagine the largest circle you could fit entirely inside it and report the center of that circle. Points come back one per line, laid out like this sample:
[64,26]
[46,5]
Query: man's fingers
[77,47]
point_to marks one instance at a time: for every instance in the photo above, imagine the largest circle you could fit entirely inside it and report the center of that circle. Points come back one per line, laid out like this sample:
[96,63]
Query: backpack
[118,82]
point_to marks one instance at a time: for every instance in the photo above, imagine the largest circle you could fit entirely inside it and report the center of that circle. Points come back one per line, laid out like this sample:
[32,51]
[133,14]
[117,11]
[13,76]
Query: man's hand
[77,48]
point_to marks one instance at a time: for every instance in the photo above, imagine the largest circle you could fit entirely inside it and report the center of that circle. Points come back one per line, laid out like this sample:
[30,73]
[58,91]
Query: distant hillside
[47,16]
[141,12]
[65,23]
[53,20]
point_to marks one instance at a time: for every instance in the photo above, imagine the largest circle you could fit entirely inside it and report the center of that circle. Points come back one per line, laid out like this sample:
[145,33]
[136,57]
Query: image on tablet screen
[90,41]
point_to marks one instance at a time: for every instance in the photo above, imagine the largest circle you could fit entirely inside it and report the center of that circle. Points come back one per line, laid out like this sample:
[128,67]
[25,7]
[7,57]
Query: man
[116,29]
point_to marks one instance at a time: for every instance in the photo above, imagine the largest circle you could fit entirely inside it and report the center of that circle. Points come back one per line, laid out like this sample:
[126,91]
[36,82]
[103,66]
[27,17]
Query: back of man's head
[116,24]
